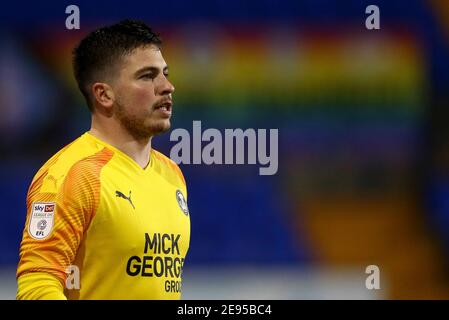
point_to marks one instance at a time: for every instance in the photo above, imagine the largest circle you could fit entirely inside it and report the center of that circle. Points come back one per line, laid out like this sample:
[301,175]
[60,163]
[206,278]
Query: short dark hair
[103,48]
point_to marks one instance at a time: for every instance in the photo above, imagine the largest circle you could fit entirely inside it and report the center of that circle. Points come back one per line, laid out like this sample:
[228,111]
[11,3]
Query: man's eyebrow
[150,68]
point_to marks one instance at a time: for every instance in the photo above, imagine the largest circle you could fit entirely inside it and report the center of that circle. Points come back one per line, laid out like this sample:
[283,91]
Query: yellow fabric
[124,227]
[39,286]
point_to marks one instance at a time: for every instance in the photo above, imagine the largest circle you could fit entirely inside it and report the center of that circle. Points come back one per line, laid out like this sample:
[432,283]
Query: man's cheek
[143,97]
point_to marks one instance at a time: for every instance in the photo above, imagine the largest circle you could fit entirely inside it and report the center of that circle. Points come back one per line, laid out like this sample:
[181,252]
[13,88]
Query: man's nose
[166,87]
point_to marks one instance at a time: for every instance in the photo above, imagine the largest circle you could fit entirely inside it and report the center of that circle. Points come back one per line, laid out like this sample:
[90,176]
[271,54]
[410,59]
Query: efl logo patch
[41,220]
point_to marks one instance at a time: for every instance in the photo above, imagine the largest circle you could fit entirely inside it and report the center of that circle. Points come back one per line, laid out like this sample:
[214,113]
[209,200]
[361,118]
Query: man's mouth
[165,107]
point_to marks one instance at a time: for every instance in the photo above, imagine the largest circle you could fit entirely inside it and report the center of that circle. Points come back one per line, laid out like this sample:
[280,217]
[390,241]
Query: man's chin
[144,131]
[161,127]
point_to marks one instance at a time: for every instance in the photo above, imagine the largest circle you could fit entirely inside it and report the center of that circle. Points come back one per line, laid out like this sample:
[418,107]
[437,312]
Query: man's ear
[103,94]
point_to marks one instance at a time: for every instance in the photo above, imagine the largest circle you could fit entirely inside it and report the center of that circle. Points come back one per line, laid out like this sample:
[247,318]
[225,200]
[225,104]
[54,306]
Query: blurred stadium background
[363,138]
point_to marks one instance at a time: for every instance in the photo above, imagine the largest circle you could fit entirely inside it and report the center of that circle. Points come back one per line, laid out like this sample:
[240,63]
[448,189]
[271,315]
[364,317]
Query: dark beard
[137,127]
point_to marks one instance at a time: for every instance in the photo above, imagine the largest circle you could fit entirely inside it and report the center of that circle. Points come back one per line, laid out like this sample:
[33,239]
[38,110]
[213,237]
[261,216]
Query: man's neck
[138,150]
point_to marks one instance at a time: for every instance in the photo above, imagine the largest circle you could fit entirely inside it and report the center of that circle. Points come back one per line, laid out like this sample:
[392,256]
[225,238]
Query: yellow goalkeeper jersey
[105,227]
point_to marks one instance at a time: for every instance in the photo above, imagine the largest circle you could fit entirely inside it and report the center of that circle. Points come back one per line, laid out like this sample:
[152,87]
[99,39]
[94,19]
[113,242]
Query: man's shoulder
[167,168]
[78,159]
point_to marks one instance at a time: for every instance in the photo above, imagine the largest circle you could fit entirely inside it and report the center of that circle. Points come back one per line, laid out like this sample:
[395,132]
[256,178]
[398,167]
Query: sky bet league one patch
[41,220]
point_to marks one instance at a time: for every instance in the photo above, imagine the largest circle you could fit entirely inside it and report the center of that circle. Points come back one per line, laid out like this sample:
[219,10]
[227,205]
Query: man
[107,216]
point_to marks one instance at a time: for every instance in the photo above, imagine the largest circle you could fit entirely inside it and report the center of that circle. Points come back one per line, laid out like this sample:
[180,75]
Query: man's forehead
[150,56]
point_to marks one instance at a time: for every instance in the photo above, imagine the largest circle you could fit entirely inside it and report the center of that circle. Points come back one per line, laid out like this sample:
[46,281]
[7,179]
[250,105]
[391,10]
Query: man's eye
[146,76]
[166,75]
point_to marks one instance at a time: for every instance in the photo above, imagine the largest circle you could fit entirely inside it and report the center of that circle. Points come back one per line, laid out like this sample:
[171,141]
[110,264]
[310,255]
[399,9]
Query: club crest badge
[182,202]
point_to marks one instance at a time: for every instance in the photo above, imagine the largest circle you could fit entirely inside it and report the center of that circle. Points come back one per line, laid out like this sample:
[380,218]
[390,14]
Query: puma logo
[121,195]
